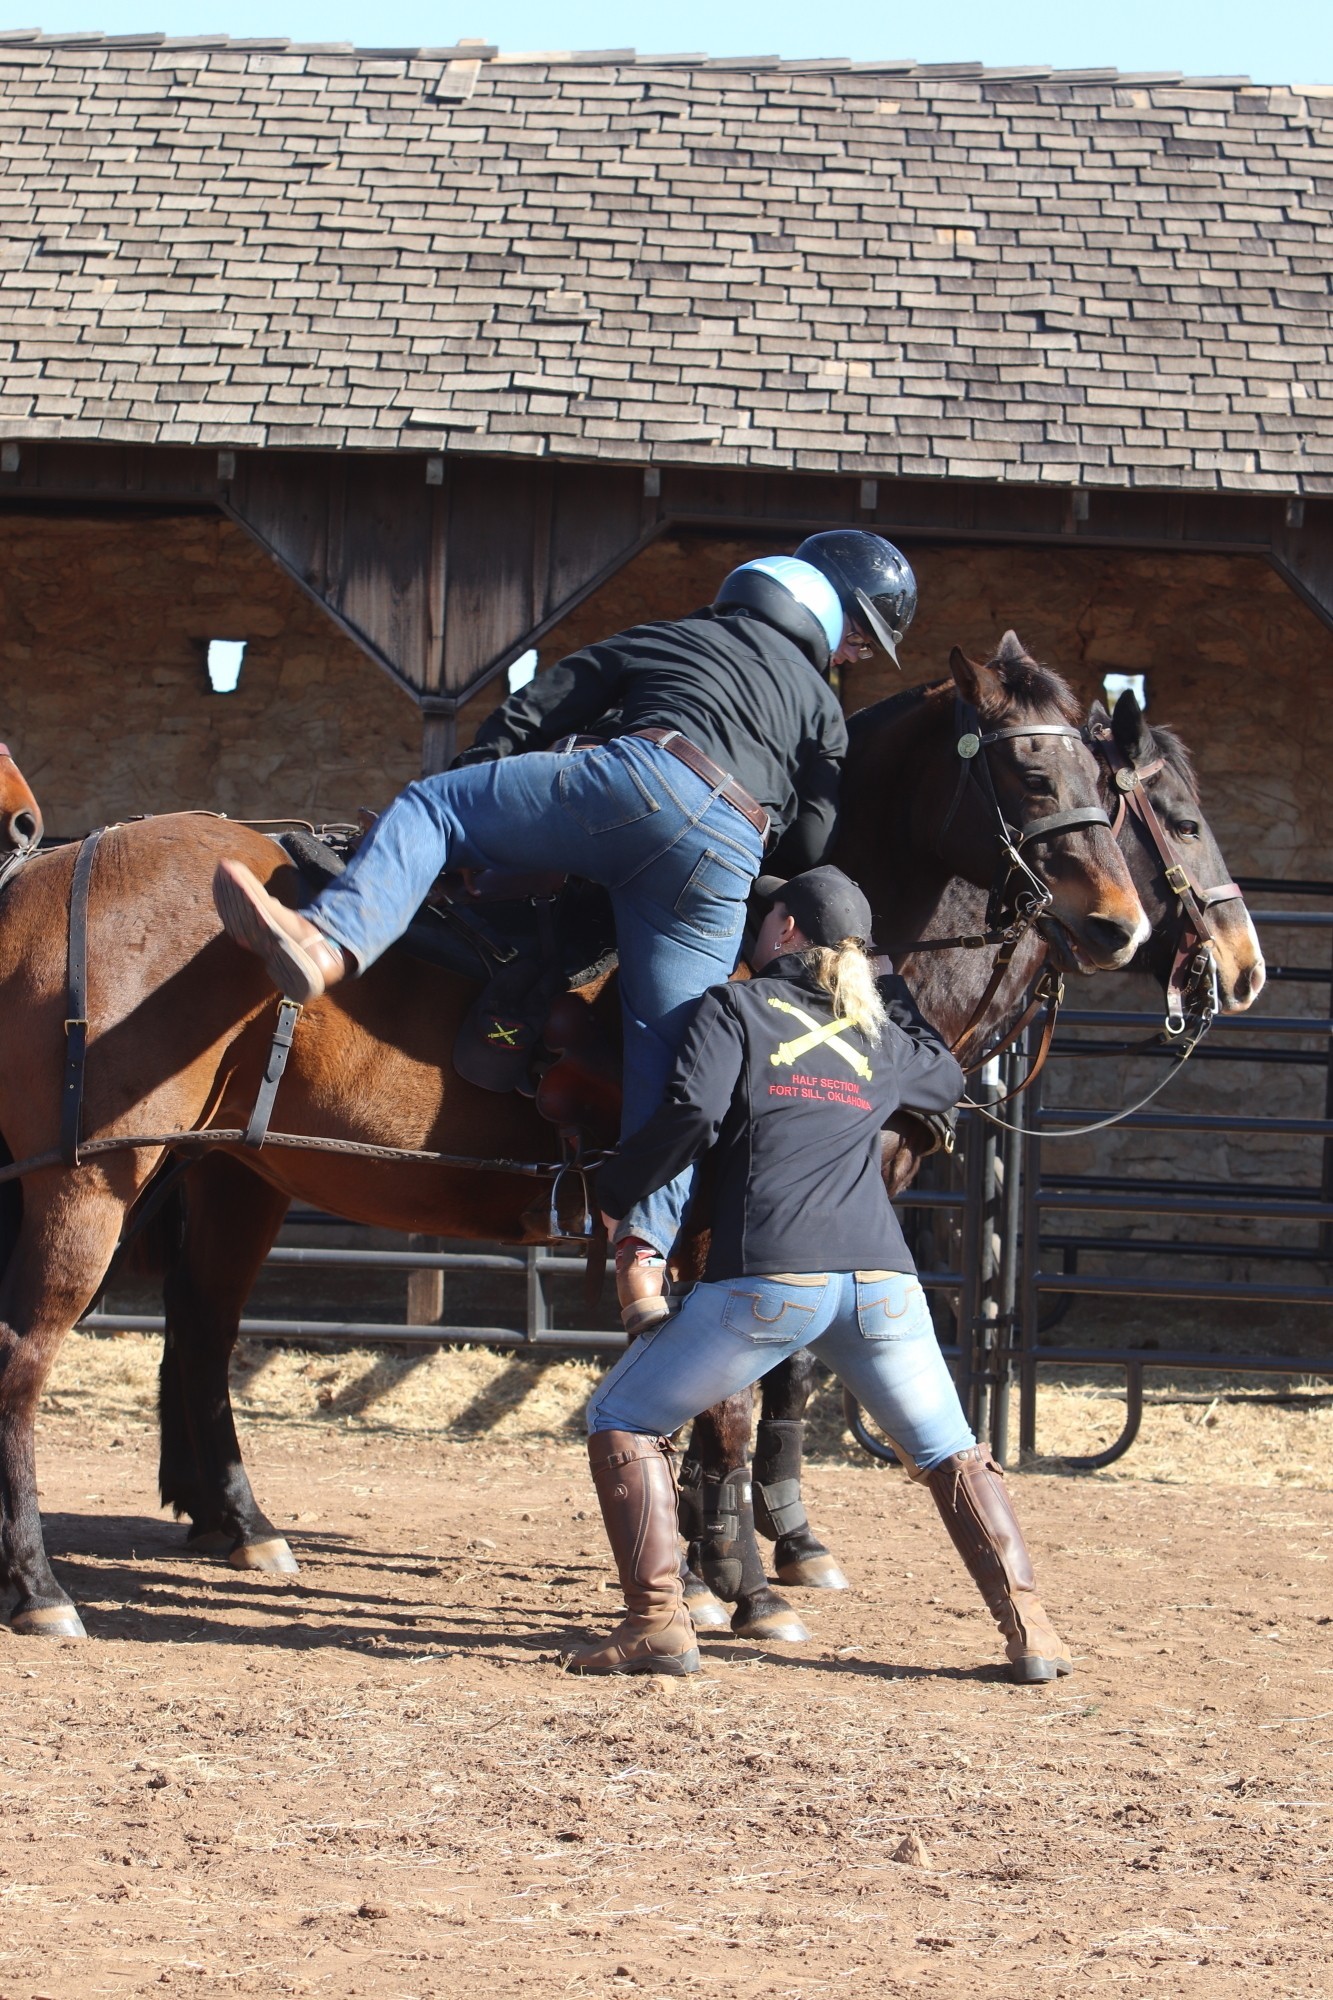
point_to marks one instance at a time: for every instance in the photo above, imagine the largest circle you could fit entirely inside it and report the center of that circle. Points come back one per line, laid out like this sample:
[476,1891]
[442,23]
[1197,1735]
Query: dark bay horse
[180,1026]
[948,986]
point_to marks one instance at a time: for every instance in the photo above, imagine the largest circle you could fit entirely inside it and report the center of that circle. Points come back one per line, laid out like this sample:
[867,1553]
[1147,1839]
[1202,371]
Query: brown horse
[180,1025]
[20,815]
[948,986]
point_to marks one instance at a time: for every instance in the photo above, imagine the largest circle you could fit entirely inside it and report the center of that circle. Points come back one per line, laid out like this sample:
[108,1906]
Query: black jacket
[796,1128]
[740,690]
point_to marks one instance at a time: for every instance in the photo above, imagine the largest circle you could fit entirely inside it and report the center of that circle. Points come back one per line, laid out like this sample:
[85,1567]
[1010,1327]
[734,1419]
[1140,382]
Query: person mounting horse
[789,1079]
[724,736]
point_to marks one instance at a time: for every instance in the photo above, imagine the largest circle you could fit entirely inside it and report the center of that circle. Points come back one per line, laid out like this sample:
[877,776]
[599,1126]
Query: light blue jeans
[677,859]
[875,1334]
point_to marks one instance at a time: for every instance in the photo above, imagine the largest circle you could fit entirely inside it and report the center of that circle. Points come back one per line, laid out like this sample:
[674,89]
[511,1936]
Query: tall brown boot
[637,1490]
[970,1493]
[640,1286]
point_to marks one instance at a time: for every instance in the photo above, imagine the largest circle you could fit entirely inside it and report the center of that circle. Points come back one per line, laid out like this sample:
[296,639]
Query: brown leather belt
[712,774]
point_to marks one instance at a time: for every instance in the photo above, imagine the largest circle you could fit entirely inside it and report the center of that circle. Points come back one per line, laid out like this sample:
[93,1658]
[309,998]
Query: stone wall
[104,693]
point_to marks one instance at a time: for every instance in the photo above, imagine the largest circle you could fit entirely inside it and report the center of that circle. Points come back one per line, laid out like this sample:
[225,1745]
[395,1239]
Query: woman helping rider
[789,1079]
[723,733]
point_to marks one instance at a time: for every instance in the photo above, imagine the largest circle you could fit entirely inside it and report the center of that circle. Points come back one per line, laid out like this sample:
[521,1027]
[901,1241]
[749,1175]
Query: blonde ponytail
[847,975]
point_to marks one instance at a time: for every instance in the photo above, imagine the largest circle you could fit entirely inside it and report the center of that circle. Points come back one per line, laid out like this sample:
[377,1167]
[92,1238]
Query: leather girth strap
[76,1002]
[289,1013]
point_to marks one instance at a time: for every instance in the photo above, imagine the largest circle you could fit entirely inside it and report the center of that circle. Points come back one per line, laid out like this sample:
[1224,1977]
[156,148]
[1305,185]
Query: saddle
[535,943]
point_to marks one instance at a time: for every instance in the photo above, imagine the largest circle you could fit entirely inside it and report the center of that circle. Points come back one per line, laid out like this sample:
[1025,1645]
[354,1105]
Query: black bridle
[1192,1000]
[1018,894]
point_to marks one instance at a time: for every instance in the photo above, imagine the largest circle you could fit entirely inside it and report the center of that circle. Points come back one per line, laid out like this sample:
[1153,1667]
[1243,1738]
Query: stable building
[392,366]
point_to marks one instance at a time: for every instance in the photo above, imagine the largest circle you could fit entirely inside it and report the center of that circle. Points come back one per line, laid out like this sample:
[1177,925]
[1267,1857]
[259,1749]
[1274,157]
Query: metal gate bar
[1048,1190]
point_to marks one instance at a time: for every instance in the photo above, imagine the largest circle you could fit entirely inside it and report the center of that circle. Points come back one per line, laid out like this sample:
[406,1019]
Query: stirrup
[642,1315]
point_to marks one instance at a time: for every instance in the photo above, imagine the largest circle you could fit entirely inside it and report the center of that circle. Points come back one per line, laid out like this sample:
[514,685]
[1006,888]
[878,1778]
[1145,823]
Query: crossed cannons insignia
[821,1034]
[505,1034]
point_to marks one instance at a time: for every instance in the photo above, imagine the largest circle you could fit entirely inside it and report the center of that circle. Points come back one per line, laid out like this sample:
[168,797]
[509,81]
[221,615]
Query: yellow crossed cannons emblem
[821,1034]
[506,1033]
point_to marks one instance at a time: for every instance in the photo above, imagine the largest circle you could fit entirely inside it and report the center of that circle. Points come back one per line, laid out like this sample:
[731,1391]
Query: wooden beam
[1302,553]
[444,582]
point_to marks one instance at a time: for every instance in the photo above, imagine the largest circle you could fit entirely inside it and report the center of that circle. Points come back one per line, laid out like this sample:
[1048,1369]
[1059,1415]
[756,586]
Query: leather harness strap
[289,1013]
[1194,959]
[76,1001]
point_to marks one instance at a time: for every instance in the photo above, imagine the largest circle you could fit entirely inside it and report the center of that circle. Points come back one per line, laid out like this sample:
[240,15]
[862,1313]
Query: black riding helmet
[874,582]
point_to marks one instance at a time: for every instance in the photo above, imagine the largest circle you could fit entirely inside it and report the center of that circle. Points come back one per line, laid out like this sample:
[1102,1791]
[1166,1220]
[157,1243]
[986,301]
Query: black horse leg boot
[640,1286]
[779,1512]
[970,1493]
[637,1491]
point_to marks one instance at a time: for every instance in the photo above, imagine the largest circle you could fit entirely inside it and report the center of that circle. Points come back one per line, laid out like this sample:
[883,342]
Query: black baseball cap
[825,903]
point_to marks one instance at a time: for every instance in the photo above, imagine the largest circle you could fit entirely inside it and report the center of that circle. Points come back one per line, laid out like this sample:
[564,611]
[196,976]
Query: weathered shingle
[875,268]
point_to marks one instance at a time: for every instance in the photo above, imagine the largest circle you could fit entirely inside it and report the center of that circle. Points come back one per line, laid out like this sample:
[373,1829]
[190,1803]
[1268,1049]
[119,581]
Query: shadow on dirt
[134,1582]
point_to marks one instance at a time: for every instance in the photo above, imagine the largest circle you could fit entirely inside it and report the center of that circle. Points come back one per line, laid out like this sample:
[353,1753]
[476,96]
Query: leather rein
[1192,983]
[1191,995]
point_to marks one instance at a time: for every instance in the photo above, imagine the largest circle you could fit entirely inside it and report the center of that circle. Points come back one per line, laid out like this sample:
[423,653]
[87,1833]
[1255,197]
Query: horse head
[1200,908]
[20,814]
[1027,780]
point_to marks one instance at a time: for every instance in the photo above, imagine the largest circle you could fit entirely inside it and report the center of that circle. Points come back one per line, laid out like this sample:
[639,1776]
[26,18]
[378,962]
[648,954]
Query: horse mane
[1027,686]
[1024,687]
[1178,757]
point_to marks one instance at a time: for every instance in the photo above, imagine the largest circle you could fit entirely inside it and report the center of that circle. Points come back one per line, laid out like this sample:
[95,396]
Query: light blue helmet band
[809,587]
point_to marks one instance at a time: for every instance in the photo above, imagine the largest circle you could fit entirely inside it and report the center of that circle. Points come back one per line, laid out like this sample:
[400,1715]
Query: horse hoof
[51,1621]
[272,1556]
[209,1542]
[814,1573]
[707,1613]
[783,1625]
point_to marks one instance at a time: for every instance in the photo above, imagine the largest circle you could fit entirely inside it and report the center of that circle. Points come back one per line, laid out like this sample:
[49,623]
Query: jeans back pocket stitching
[743,885]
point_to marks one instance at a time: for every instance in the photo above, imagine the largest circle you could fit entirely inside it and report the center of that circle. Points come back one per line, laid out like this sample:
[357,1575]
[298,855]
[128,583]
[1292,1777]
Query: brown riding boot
[970,1493]
[297,957]
[637,1490]
[640,1286]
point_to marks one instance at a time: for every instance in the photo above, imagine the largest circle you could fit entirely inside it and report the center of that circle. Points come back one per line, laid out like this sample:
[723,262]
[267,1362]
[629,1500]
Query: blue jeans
[875,1334]
[677,859]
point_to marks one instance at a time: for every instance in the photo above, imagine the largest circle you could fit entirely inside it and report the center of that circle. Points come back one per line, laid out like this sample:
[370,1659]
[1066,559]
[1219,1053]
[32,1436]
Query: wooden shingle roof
[880,268]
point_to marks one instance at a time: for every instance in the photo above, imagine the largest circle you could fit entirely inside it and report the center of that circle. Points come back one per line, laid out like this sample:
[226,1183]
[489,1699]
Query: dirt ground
[374,1780]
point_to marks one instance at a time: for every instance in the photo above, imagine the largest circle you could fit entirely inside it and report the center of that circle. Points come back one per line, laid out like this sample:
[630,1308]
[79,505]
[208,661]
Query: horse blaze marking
[506,1032]
[821,1035]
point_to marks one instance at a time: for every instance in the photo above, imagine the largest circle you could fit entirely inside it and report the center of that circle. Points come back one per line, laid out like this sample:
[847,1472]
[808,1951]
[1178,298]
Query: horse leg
[231,1219]
[707,1611]
[779,1512]
[726,1554]
[65,1243]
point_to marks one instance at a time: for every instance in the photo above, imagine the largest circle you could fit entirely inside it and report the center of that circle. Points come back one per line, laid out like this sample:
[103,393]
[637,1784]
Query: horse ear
[1012,651]
[1098,717]
[976,683]
[1130,730]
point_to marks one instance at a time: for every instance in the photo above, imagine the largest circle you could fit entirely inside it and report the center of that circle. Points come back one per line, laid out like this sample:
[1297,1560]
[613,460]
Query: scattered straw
[1214,1428]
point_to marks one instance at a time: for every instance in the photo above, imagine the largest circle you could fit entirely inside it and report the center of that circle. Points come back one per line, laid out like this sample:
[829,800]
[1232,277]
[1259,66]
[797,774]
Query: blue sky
[1291,42]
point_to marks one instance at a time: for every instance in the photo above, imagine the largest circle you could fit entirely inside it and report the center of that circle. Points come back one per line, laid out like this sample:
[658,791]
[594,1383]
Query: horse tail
[154,1228]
